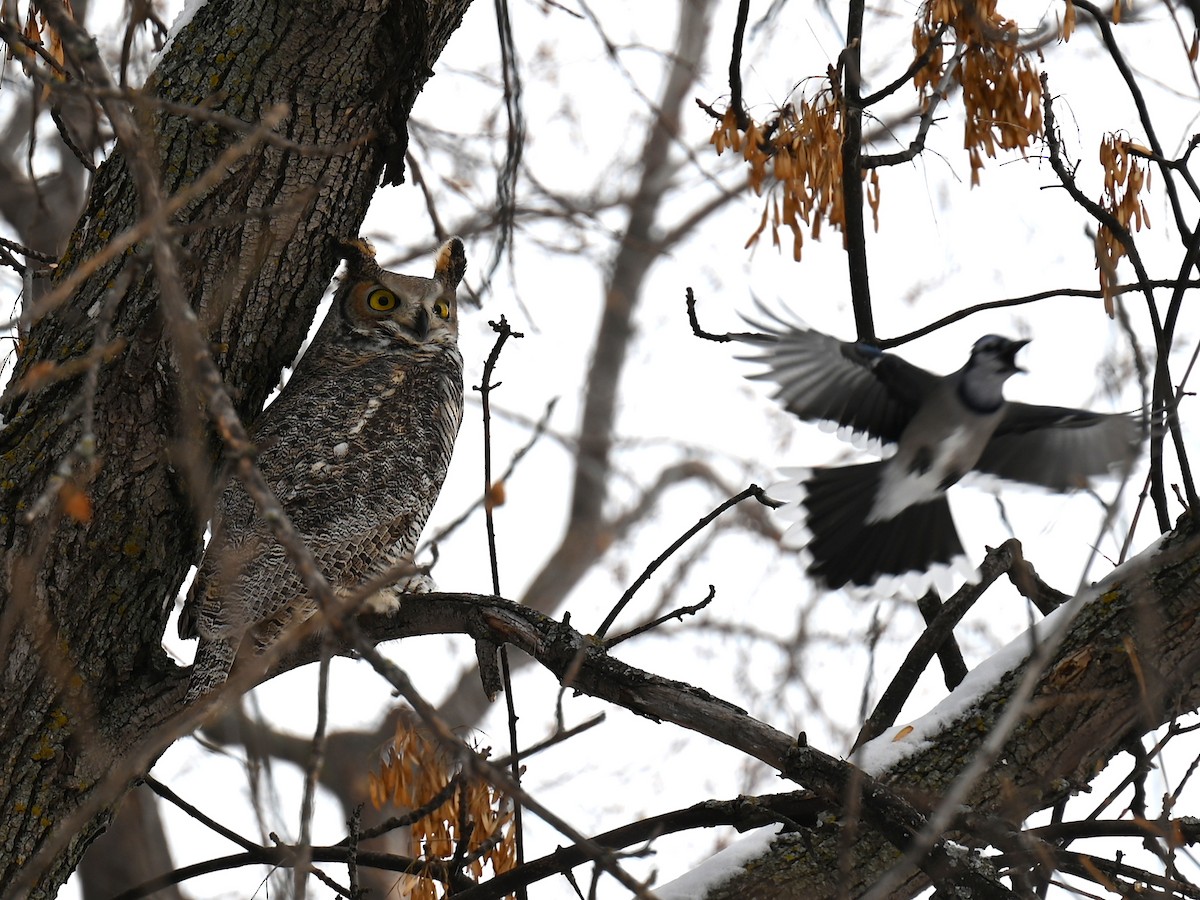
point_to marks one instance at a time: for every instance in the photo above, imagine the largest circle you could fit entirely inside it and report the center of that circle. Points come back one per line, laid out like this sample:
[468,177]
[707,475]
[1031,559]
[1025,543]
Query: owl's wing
[823,379]
[230,509]
[1058,447]
[232,587]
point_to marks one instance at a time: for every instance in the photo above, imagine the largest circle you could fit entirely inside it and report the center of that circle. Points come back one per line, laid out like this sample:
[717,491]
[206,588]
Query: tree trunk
[96,545]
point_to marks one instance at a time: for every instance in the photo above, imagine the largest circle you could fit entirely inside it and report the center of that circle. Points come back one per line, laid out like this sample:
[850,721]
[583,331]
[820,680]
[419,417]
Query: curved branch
[794,810]
[966,312]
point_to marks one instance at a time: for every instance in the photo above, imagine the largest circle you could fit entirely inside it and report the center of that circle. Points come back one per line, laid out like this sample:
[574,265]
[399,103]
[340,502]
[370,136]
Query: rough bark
[85,592]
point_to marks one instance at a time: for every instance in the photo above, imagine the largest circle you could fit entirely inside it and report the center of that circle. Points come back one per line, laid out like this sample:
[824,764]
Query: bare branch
[753,491]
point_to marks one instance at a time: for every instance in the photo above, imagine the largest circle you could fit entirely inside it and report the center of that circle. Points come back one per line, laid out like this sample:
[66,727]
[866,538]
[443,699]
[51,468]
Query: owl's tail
[214,659]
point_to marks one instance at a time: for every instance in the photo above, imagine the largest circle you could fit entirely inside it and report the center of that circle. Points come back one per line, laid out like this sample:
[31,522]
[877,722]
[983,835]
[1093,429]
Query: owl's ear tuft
[451,263]
[359,255]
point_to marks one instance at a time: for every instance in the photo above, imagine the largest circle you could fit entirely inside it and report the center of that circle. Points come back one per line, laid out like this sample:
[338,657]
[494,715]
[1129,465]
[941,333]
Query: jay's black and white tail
[847,548]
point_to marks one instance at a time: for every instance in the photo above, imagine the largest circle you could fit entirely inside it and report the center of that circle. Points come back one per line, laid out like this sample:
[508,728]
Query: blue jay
[890,518]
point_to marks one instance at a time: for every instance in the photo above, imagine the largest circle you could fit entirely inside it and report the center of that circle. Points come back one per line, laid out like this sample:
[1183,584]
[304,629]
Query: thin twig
[454,524]
[412,816]
[200,112]
[326,880]
[560,735]
[514,765]
[853,227]
[752,491]
[667,617]
[485,388]
[735,66]
[917,144]
[42,375]
[1101,20]
[10,35]
[414,170]
[1162,379]
[283,855]
[83,158]
[1191,259]
[514,145]
[486,651]
[914,67]
[316,760]
[695,322]
[194,812]
[466,828]
[1186,829]
[13,263]
[968,311]
[28,251]
[1104,872]
[794,810]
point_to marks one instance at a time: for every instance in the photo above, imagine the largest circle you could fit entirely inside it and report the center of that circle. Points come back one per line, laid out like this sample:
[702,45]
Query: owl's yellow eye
[381,300]
[442,308]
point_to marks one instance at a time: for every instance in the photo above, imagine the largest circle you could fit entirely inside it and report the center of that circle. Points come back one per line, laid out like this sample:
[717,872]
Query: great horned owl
[355,447]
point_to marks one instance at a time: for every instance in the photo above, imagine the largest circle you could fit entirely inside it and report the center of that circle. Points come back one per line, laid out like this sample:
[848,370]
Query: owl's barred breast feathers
[355,447]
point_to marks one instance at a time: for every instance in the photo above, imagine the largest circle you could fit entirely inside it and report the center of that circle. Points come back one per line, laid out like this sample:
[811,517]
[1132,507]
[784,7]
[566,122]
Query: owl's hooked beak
[421,324]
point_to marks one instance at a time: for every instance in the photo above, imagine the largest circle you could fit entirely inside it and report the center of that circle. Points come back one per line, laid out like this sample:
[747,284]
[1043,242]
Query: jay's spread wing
[822,379]
[1060,448]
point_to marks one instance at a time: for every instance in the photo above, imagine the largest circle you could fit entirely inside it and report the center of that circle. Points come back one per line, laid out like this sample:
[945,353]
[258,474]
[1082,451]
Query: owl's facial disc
[376,312]
[400,311]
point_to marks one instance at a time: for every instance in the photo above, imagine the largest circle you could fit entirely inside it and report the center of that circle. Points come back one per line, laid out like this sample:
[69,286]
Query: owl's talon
[420,583]
[383,602]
